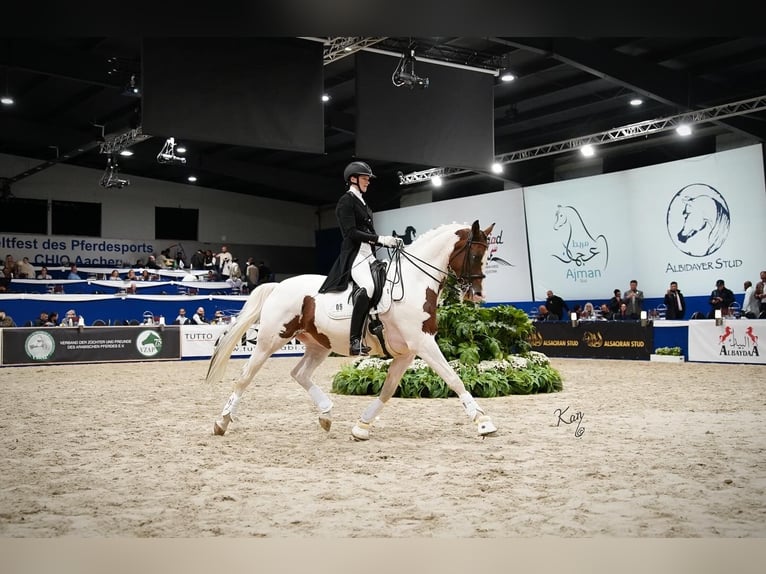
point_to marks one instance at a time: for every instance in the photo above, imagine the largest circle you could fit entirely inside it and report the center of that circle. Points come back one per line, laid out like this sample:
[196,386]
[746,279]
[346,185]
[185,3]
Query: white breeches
[360,269]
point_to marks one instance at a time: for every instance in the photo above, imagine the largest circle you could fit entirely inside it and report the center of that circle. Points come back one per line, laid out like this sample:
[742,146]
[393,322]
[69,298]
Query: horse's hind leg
[264,348]
[361,430]
[302,372]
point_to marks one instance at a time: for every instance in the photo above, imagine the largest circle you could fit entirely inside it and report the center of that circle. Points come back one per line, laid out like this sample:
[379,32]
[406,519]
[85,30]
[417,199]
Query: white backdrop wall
[280,232]
[692,221]
[507,268]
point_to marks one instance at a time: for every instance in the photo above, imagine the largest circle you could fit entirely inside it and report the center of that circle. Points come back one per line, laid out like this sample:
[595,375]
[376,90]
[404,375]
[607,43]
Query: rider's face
[363,181]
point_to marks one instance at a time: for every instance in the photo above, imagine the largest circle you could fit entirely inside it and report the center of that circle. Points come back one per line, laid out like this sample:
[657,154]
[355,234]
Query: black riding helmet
[357,168]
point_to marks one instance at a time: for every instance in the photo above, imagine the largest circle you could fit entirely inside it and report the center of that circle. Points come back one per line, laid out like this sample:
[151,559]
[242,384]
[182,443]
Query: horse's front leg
[432,355]
[361,430]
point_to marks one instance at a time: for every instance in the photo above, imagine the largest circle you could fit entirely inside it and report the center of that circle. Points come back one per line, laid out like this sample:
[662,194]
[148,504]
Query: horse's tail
[250,313]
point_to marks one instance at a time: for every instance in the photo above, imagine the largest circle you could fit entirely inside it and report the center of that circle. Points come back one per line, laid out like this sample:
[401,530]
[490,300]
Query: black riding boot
[358,317]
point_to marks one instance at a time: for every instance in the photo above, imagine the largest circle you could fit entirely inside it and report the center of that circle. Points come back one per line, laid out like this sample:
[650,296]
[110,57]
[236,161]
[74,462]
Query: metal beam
[622,133]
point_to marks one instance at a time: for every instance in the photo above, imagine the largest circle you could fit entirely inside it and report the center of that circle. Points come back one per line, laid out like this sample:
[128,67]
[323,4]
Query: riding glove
[390,240]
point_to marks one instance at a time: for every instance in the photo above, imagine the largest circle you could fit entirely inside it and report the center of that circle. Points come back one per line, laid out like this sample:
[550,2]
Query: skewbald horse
[294,308]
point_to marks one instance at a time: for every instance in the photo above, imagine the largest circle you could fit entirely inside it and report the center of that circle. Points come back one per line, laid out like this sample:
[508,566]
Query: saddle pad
[340,306]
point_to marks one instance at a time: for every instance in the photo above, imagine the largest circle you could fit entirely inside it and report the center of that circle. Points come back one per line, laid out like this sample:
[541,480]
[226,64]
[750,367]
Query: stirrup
[358,348]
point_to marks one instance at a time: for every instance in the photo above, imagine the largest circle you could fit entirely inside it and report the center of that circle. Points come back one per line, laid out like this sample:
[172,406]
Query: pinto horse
[414,279]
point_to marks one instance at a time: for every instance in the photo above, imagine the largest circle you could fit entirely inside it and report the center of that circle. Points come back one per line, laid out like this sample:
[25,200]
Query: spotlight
[587,150]
[497,167]
[168,153]
[436,180]
[126,153]
[684,130]
[192,178]
[636,102]
[404,74]
[507,76]
[325,98]
[7,100]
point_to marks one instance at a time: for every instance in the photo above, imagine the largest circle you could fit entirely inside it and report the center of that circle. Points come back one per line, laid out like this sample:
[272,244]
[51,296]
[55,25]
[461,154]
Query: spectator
[634,300]
[198,259]
[674,302]
[543,314]
[182,319]
[720,299]
[53,319]
[131,276]
[588,313]
[606,314]
[264,273]
[25,269]
[70,320]
[615,302]
[218,319]
[42,320]
[44,274]
[760,292]
[6,321]
[211,276]
[622,314]
[223,262]
[199,317]
[209,261]
[164,260]
[74,275]
[750,306]
[179,262]
[145,276]
[555,304]
[115,275]
[251,274]
[152,263]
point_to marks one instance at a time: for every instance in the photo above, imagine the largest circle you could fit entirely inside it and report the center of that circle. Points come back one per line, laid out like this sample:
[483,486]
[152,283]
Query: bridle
[464,280]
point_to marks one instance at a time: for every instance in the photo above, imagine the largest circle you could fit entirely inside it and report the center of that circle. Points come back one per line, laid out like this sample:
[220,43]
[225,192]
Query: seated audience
[42,320]
[606,314]
[6,321]
[622,314]
[74,275]
[152,263]
[615,302]
[70,320]
[182,319]
[544,315]
[199,317]
[25,269]
[588,313]
[115,275]
[44,275]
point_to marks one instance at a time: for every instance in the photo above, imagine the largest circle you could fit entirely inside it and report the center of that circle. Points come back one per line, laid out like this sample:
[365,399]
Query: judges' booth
[594,339]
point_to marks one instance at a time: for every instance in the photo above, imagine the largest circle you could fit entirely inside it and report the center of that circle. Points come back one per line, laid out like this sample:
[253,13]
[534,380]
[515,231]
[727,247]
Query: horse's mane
[428,235]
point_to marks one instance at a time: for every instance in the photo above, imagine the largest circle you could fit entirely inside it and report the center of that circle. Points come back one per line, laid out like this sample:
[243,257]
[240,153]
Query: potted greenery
[667,355]
[487,347]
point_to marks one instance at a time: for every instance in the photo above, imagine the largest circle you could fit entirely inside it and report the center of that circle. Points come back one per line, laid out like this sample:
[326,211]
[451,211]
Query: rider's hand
[389,240]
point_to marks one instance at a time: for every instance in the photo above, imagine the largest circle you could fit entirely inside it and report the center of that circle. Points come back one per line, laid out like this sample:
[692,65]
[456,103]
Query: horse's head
[467,260]
[561,218]
[698,213]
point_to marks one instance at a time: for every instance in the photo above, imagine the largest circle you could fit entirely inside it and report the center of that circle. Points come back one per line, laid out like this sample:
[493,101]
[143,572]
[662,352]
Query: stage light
[684,130]
[180,149]
[126,153]
[404,74]
[436,180]
[587,150]
[325,98]
[192,178]
[636,102]
[168,153]
[497,167]
[507,76]
[7,100]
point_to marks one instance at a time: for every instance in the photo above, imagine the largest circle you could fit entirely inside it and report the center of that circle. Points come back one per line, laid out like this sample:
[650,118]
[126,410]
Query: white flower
[418,364]
[538,358]
[370,362]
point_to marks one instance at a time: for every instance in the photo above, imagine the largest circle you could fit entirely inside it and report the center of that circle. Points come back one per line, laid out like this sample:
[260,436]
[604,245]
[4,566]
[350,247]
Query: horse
[410,234]
[580,246]
[414,279]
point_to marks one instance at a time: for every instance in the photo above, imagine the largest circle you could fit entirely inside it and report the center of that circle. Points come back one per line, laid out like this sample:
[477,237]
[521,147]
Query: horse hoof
[325,421]
[485,426]
[361,431]
[218,430]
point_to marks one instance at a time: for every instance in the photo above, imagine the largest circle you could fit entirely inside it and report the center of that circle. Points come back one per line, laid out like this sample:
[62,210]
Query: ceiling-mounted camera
[111,177]
[168,153]
[404,74]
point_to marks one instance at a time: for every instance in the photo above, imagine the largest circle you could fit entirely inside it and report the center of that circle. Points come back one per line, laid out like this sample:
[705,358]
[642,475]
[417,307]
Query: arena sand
[126,450]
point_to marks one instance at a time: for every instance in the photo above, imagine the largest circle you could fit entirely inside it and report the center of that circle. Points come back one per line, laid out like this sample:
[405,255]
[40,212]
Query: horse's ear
[489,229]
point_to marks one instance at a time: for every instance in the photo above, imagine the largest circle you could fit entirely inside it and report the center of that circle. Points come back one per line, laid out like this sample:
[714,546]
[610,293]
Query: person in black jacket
[356,252]
[556,304]
[720,298]
[674,301]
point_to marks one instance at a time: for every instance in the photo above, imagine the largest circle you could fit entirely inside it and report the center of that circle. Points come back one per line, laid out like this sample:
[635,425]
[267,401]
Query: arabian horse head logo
[578,245]
[698,220]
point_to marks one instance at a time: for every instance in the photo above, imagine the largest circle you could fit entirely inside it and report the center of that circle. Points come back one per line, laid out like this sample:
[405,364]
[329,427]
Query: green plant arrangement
[673,351]
[487,347]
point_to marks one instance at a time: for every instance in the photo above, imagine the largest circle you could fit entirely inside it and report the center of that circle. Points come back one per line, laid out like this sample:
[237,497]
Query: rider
[359,237]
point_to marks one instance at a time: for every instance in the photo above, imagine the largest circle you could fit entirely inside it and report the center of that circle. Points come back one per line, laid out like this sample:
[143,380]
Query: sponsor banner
[593,339]
[689,221]
[29,346]
[200,341]
[507,266]
[735,341]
